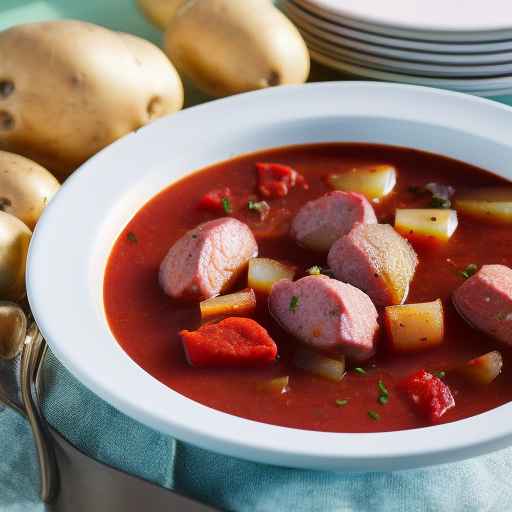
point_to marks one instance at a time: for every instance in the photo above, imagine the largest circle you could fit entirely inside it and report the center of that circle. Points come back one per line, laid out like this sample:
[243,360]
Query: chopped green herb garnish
[262,207]
[294,303]
[226,205]
[384,393]
[360,370]
[383,399]
[382,388]
[469,271]
[440,202]
[315,270]
[131,237]
[341,403]
[374,415]
[440,375]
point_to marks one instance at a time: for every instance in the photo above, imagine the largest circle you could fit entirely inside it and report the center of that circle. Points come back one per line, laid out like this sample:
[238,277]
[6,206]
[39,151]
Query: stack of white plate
[464,45]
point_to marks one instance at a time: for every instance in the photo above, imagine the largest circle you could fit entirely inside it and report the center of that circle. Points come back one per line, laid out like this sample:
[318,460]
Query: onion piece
[320,365]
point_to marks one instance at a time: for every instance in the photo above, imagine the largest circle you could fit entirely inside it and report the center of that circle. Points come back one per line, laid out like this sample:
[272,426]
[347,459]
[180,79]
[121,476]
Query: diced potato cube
[373,181]
[433,225]
[320,365]
[278,385]
[490,203]
[264,272]
[483,369]
[415,327]
[234,304]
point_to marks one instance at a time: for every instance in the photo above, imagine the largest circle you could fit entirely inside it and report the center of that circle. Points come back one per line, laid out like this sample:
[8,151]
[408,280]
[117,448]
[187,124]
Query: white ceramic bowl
[74,237]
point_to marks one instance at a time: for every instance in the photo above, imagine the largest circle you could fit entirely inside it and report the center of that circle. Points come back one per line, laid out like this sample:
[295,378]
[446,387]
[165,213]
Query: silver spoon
[21,353]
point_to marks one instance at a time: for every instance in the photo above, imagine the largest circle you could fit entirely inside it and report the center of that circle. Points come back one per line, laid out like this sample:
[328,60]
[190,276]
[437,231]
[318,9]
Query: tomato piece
[431,396]
[276,180]
[233,342]
[215,200]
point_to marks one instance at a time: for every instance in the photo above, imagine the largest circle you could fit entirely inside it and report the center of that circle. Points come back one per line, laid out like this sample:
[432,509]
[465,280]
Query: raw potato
[13,327]
[159,12]
[25,187]
[415,327]
[487,203]
[234,304]
[264,272]
[70,88]
[373,181]
[14,241]
[426,225]
[232,46]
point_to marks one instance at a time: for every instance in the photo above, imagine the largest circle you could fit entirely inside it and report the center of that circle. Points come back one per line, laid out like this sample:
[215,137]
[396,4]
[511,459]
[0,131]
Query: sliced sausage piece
[208,259]
[326,314]
[376,259]
[485,301]
[319,223]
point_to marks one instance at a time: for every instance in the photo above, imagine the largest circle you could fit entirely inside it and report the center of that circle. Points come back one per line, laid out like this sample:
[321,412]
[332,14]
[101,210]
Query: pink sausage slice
[208,259]
[376,259]
[326,314]
[319,223]
[485,301]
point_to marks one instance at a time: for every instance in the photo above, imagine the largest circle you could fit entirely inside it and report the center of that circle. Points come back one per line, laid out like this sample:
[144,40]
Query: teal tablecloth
[477,485]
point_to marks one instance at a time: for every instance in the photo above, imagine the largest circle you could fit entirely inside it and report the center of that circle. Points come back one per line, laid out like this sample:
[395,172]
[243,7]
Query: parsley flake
[131,237]
[382,388]
[383,399]
[440,375]
[261,207]
[341,403]
[226,205]
[470,270]
[375,416]
[360,370]
[294,303]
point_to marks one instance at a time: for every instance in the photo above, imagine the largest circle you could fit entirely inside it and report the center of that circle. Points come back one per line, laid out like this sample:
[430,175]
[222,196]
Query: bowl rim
[72,241]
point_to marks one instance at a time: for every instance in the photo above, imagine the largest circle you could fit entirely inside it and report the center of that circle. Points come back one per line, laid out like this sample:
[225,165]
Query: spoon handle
[30,356]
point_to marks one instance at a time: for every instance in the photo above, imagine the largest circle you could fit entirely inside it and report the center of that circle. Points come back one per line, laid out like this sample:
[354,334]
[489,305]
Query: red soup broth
[146,322]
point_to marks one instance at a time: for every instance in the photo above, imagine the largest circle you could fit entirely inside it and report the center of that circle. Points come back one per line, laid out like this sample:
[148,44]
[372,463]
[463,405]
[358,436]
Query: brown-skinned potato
[14,242]
[69,88]
[25,187]
[231,46]
[159,12]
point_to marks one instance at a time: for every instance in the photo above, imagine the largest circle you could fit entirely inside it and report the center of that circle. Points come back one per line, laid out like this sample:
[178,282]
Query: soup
[370,389]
